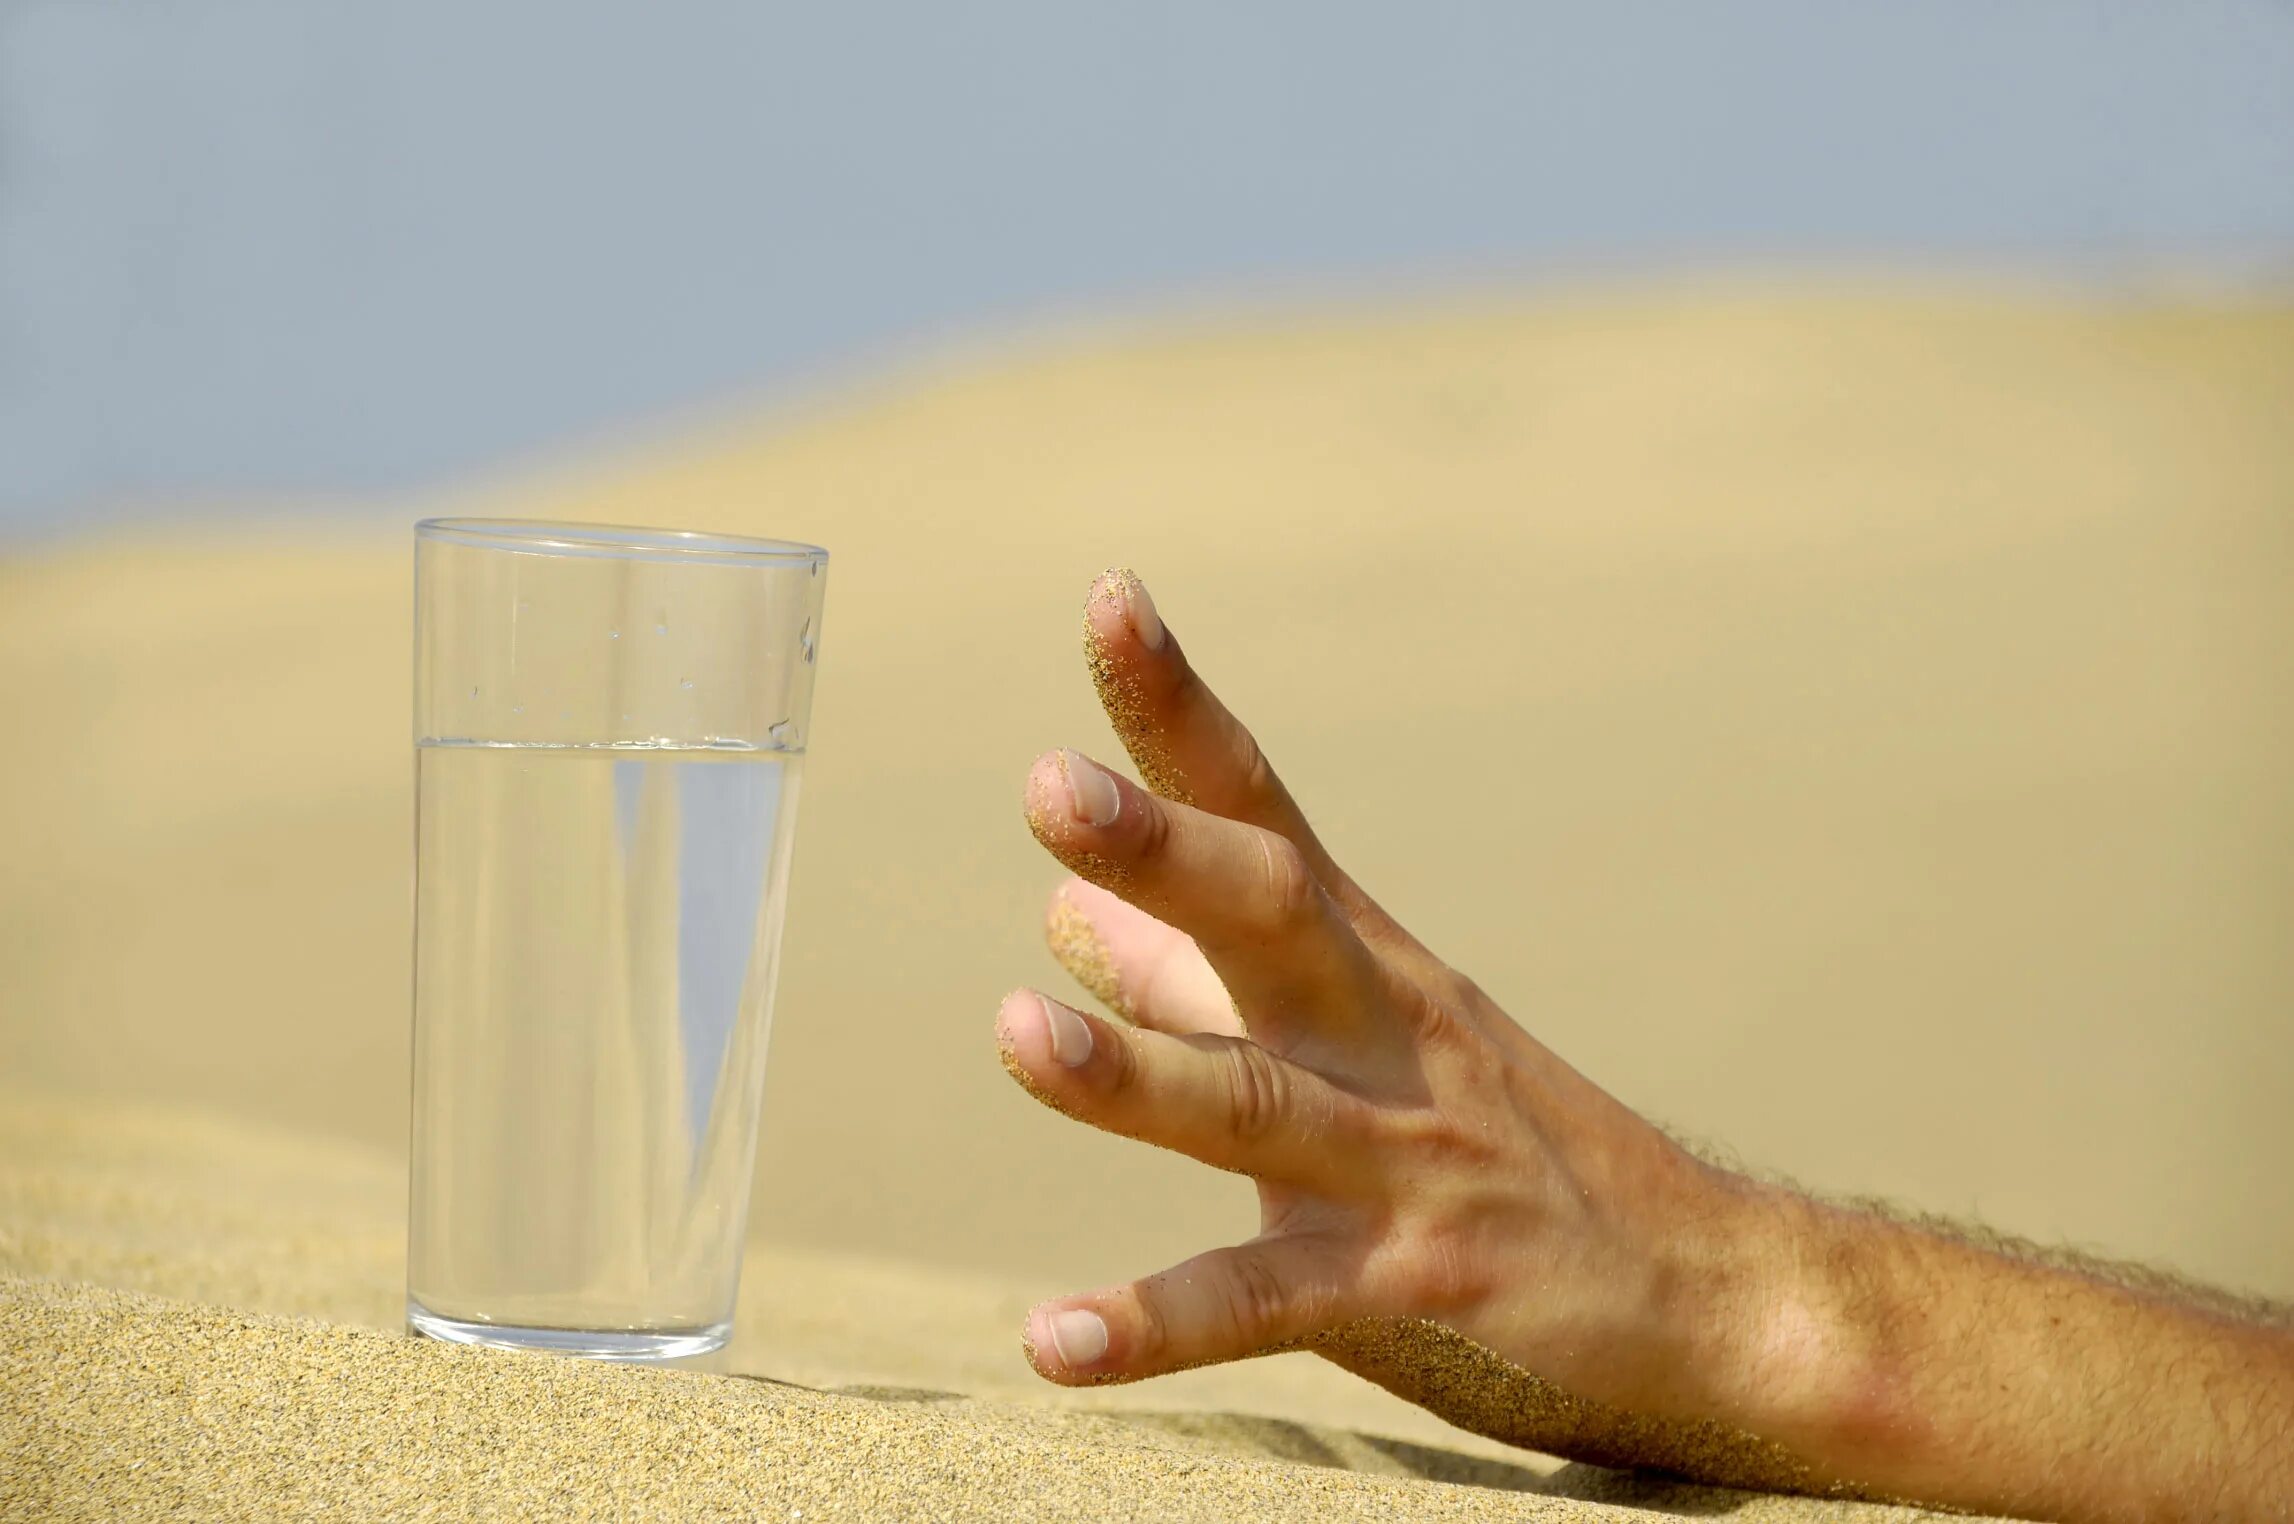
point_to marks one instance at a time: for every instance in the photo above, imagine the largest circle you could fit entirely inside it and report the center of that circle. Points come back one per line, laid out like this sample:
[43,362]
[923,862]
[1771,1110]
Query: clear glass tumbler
[609,729]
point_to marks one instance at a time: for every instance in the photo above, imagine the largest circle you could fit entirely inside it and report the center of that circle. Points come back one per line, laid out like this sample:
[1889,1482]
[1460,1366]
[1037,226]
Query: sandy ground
[201,1318]
[1854,726]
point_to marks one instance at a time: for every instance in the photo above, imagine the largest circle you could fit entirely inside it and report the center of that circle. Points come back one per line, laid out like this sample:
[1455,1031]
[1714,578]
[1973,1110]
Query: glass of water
[609,730]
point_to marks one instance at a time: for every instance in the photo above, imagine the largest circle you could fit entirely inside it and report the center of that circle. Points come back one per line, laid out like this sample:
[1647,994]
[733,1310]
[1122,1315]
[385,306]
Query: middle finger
[1246,895]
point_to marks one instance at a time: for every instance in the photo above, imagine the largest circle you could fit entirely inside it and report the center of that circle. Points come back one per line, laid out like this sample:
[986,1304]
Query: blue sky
[269,252]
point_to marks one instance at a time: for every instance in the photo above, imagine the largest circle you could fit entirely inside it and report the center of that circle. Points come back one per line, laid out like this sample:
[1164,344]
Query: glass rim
[553,537]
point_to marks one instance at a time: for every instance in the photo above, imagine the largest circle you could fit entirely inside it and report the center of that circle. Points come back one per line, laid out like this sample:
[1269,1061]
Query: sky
[263,253]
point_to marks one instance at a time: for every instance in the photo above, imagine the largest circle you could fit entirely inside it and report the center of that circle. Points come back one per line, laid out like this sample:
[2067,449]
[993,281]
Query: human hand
[1445,1206]
[1453,1212]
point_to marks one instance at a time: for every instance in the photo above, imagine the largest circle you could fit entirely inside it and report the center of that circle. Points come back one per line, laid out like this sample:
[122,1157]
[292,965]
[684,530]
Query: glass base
[634,1346]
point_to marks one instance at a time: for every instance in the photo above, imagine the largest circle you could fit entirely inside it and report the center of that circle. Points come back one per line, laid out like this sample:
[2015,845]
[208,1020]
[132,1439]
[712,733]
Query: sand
[1852,724]
[201,1317]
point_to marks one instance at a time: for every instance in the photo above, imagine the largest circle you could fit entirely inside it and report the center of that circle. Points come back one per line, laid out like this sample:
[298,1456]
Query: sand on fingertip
[1075,943]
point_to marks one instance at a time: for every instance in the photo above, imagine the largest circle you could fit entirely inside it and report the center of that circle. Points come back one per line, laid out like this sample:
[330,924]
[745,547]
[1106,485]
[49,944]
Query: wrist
[1706,1315]
[1793,1343]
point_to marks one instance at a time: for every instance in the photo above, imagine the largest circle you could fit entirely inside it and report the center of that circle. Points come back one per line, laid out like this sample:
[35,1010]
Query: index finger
[1187,745]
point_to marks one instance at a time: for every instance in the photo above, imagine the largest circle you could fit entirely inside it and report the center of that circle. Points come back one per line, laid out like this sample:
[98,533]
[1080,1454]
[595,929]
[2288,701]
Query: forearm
[1907,1363]
[1795,1346]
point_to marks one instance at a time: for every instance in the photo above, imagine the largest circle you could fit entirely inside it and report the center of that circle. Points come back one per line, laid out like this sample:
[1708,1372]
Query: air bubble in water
[782,734]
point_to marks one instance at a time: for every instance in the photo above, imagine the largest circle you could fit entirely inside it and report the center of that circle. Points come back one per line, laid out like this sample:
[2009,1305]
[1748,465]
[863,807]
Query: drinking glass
[609,731]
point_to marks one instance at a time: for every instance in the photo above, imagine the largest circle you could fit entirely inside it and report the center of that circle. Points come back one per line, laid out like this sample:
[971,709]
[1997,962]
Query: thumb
[1229,1304]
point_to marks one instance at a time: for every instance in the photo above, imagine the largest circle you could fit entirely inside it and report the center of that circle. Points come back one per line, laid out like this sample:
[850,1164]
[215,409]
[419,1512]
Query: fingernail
[1079,1337]
[1091,793]
[1070,1038]
[1145,622]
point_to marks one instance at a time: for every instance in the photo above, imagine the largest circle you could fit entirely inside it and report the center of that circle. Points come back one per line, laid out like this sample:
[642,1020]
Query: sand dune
[1852,725]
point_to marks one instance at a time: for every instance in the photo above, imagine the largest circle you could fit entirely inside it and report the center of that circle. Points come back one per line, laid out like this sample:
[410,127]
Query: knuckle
[1122,1060]
[1154,829]
[1465,994]
[1292,894]
[1257,1094]
[1442,1273]
[1256,1300]
[1436,1142]
[1151,1334]
[1434,1258]
[1432,1012]
[1252,766]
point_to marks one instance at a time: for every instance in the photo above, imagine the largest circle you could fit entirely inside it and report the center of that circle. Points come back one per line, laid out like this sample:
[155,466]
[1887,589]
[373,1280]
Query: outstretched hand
[1448,1209]
[1420,1158]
